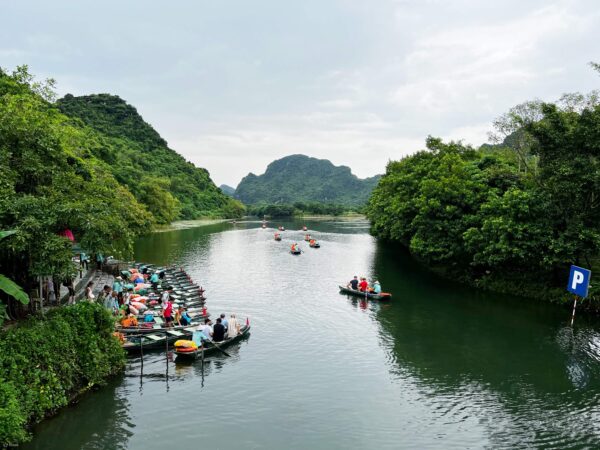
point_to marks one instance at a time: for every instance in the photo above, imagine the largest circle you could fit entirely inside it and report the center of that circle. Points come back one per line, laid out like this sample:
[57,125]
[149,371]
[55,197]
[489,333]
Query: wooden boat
[158,340]
[315,245]
[382,297]
[295,252]
[281,228]
[277,237]
[159,325]
[209,348]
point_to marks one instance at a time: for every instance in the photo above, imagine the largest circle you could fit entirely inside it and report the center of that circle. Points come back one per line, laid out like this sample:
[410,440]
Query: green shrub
[44,362]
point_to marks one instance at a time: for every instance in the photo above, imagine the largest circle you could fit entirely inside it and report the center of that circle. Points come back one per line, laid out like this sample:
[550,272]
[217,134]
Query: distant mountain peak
[301,178]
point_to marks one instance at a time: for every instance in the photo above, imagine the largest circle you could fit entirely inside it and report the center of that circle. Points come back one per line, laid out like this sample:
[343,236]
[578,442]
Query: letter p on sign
[579,281]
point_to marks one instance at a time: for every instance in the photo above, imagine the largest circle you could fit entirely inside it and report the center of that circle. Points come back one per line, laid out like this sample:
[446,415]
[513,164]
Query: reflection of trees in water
[100,420]
[169,246]
[508,362]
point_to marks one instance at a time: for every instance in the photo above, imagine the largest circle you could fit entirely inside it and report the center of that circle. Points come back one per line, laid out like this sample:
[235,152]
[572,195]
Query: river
[440,366]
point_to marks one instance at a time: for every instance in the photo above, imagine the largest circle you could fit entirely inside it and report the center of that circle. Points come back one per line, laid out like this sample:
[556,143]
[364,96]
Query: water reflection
[440,366]
[499,360]
[107,423]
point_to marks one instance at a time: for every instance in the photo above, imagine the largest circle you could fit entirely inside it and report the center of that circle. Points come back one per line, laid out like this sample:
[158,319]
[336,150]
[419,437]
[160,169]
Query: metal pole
[142,349]
[573,315]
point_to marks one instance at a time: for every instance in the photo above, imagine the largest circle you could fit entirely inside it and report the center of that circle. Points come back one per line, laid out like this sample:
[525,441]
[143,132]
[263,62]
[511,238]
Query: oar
[220,349]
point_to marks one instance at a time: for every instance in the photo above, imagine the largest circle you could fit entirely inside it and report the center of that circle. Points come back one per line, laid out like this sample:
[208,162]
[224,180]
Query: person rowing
[376,289]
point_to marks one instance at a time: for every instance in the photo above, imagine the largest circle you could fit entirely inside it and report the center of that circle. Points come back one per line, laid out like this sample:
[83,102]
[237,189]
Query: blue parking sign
[579,281]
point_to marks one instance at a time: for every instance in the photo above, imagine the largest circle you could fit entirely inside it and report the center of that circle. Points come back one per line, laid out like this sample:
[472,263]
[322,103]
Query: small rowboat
[157,340]
[277,238]
[295,252]
[281,228]
[209,348]
[315,245]
[382,297]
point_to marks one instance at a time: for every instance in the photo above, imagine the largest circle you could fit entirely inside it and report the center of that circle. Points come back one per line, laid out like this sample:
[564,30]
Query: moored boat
[382,296]
[185,351]
[137,343]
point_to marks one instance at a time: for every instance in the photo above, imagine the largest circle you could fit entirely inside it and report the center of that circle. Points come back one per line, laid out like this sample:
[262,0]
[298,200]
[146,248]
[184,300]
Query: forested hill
[139,158]
[300,178]
[227,190]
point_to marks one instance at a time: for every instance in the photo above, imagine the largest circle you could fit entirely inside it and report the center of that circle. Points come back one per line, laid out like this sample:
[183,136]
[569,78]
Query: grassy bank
[46,361]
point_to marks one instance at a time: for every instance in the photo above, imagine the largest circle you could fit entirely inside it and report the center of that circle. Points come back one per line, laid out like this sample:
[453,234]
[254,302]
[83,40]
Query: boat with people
[314,244]
[365,294]
[277,237]
[295,249]
[304,228]
[189,349]
[281,228]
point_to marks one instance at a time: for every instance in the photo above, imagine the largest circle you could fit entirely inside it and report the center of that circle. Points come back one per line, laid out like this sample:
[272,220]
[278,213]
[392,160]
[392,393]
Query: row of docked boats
[152,332]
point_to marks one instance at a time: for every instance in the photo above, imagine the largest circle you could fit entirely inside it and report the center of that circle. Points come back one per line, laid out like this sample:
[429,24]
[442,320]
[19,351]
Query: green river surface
[440,366]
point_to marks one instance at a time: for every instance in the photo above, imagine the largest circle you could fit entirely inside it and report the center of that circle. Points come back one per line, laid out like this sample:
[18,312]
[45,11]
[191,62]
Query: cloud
[355,82]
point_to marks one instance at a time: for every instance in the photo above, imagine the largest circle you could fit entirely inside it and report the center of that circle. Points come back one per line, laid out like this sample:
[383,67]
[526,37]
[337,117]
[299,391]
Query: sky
[233,85]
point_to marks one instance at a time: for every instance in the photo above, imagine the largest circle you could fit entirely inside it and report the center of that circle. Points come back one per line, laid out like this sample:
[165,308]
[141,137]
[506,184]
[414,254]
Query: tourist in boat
[224,321]
[168,312]
[206,329]
[154,280]
[363,285]
[353,283]
[166,295]
[182,318]
[233,328]
[218,331]
[376,288]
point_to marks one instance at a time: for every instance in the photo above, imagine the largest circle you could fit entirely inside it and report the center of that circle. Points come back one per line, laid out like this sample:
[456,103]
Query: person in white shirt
[206,329]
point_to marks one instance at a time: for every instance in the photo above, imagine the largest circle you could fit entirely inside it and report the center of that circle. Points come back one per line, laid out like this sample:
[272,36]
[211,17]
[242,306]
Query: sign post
[579,283]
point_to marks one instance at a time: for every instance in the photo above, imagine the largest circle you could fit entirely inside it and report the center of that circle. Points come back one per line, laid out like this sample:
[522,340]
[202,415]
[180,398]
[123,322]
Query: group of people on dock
[223,328]
[362,285]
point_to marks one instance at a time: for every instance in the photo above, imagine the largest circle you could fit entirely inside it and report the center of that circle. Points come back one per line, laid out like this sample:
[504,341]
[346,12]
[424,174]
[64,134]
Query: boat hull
[381,297]
[209,348]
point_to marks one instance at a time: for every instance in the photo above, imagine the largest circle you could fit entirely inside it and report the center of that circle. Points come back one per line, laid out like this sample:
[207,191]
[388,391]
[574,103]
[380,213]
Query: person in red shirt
[363,285]
[168,312]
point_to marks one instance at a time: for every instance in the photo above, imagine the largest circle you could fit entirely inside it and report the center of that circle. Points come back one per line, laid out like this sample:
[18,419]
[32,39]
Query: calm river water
[441,366]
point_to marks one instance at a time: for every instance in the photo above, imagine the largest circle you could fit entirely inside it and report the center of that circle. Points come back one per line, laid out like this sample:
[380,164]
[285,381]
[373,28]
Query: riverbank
[47,362]
[186,224]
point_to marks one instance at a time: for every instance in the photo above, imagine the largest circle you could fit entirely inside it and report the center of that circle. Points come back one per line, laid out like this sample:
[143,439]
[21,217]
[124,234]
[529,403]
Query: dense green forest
[106,186]
[299,178]
[300,209]
[510,217]
[170,187]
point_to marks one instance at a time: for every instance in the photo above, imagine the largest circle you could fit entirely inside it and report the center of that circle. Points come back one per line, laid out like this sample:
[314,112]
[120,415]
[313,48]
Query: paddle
[220,349]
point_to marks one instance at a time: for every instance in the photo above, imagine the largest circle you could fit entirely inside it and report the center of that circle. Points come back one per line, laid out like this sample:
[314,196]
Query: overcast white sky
[233,85]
